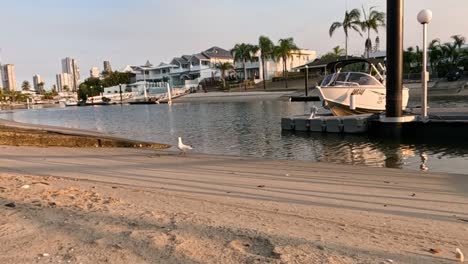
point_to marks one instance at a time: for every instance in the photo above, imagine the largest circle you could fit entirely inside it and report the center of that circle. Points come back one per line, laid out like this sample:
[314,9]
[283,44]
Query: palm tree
[335,53]
[458,40]
[372,21]
[266,46]
[283,51]
[26,86]
[338,51]
[350,21]
[223,67]
[40,86]
[243,52]
[435,54]
[452,50]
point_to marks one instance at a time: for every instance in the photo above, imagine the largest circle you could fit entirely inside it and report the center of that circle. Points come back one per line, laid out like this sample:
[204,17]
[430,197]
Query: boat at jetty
[355,86]
[71,102]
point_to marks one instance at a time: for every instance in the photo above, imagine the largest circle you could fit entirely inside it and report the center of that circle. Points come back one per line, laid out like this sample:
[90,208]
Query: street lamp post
[424,17]
[120,91]
[307,80]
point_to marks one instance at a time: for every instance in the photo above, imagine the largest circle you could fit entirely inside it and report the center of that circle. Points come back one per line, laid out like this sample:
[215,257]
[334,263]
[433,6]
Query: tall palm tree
[283,51]
[224,67]
[372,21]
[243,52]
[266,46]
[350,21]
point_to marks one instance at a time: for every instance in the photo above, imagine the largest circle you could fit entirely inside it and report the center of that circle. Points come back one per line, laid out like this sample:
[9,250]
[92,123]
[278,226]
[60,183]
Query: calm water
[250,129]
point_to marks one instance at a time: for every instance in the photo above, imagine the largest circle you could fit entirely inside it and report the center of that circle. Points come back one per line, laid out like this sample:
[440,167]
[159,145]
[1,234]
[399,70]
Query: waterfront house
[184,70]
[273,68]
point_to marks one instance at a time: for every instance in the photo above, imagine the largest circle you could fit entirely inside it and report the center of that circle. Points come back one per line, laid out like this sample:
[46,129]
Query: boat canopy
[333,67]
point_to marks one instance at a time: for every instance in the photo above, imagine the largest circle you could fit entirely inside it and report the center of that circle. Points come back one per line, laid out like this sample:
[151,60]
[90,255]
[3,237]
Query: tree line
[95,86]
[443,57]
[244,52]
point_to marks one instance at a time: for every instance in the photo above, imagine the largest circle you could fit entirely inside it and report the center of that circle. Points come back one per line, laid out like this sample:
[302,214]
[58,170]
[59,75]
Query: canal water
[252,129]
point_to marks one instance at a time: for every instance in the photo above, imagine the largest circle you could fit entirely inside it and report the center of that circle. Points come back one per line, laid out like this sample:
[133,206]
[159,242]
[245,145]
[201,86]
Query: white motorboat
[71,102]
[355,86]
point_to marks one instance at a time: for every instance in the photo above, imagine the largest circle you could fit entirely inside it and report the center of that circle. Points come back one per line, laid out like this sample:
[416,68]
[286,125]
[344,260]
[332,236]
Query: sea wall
[17,134]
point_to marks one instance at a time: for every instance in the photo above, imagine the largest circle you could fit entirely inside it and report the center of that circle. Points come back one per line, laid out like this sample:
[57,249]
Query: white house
[273,68]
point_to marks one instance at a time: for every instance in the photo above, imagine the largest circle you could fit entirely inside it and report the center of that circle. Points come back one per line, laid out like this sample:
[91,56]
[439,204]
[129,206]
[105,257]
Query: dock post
[307,80]
[120,91]
[394,95]
[394,58]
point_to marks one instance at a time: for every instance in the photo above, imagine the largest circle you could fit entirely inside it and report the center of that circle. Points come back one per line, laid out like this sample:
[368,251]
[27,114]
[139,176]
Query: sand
[97,205]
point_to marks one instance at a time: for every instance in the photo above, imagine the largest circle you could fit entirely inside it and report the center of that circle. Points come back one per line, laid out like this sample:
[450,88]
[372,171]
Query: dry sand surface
[69,205]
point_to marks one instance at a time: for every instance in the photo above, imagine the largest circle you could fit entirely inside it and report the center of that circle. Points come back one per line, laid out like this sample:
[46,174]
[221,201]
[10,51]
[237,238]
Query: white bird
[182,147]
[459,255]
[313,112]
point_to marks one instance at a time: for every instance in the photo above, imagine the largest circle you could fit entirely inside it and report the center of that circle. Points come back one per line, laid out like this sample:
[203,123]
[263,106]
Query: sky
[36,34]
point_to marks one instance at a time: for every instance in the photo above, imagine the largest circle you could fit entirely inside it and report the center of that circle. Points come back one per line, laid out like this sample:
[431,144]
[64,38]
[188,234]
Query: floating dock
[442,122]
[328,124]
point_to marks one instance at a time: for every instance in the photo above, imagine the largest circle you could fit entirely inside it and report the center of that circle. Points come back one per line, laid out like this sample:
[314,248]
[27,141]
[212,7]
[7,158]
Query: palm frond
[334,26]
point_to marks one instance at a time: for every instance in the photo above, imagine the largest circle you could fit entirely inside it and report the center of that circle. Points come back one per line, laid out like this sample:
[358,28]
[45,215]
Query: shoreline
[219,97]
[23,134]
[147,206]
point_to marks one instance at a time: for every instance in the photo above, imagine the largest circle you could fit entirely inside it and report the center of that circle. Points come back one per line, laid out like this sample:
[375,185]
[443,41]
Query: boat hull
[344,110]
[367,100]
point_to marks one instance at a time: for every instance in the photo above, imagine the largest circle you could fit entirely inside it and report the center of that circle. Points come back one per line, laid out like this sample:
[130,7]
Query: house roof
[148,64]
[179,60]
[322,63]
[217,52]
[200,56]
[187,57]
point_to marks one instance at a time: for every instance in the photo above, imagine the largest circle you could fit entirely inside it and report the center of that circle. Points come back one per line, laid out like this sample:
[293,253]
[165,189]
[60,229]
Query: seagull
[183,148]
[313,112]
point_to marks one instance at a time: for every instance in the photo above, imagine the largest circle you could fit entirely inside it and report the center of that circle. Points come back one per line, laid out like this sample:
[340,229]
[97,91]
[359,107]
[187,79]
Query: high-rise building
[107,67]
[37,80]
[94,72]
[64,80]
[70,67]
[8,77]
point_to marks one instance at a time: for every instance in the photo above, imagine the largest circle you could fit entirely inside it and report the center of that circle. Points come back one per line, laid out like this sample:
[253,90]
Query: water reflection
[250,129]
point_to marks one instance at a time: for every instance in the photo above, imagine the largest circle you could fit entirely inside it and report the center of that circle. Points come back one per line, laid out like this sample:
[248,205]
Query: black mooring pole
[306,81]
[394,58]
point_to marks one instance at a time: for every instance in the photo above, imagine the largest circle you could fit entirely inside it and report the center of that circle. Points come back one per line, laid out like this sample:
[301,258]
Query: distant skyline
[37,34]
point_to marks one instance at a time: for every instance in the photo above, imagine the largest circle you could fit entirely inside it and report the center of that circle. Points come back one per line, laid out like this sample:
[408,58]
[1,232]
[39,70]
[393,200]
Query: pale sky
[36,34]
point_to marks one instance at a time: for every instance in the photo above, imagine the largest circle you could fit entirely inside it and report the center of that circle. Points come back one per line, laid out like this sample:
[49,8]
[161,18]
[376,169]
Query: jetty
[451,123]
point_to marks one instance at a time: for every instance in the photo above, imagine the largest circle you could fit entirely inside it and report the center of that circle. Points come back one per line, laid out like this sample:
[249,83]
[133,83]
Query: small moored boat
[355,86]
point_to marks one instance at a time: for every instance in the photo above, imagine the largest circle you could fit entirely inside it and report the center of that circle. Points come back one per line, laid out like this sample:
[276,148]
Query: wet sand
[113,205]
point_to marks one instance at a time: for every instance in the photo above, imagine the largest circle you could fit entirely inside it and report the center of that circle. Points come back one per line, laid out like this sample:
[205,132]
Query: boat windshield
[350,79]
[327,80]
[362,79]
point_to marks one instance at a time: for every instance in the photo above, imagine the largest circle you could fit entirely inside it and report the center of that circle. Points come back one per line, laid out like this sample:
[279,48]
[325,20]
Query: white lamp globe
[425,16]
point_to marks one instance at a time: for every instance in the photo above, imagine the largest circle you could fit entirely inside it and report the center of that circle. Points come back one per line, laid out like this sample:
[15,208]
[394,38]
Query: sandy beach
[114,205]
